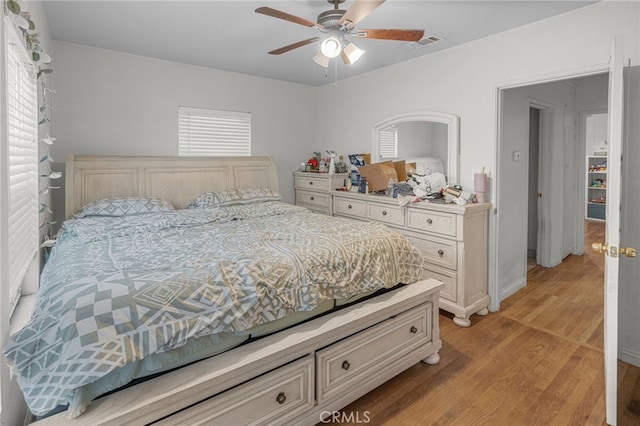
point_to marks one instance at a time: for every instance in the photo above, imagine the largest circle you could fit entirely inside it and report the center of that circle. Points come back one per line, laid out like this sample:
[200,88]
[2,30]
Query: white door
[612,232]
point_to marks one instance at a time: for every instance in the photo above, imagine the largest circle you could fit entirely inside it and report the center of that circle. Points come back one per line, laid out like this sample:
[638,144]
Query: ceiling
[229,35]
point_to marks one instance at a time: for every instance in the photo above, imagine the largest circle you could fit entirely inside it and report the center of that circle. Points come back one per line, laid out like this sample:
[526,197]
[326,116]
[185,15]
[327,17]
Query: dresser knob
[413,329]
[349,206]
[310,183]
[429,221]
[441,252]
[384,212]
[345,365]
[311,198]
[281,398]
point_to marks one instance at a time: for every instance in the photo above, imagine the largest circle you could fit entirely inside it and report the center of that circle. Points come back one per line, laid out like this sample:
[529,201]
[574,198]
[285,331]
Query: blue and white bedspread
[116,289]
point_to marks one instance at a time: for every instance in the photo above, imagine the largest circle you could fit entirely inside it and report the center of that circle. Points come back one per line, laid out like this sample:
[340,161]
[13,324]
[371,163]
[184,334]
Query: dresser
[452,238]
[313,190]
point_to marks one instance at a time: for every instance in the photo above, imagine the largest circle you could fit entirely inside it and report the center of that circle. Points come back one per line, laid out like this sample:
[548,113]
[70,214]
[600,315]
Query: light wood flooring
[538,361]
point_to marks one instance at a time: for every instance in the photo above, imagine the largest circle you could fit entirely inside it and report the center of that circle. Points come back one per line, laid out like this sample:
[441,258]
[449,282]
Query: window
[19,211]
[215,133]
[389,142]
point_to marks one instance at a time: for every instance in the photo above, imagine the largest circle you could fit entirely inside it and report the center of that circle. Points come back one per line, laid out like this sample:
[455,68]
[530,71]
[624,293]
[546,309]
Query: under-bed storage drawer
[365,354]
[280,395]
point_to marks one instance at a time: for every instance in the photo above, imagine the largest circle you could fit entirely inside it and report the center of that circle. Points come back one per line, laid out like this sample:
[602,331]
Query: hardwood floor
[538,361]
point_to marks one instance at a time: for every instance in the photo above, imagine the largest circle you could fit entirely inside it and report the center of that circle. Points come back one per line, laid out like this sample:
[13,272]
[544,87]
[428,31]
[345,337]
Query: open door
[611,247]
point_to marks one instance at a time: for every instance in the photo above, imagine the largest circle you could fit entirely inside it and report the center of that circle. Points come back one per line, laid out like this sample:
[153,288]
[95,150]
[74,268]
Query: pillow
[125,206]
[232,197]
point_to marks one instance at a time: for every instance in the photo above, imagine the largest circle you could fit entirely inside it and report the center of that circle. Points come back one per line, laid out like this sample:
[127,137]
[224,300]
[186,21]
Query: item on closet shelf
[600,200]
[599,183]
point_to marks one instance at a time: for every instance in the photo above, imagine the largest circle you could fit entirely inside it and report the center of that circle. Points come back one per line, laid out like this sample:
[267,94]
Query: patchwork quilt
[116,289]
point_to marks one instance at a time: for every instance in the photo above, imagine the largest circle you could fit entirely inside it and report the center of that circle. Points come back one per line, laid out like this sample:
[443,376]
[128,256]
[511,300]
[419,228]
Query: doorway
[542,174]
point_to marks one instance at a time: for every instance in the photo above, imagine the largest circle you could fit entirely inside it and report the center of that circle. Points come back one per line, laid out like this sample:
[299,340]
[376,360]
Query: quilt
[116,289]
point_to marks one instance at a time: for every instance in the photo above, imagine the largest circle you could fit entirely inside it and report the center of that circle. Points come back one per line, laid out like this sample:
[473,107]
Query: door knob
[600,248]
[628,251]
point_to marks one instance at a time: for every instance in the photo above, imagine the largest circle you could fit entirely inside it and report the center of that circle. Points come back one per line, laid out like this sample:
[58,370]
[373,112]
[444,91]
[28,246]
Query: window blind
[389,142]
[22,146]
[203,132]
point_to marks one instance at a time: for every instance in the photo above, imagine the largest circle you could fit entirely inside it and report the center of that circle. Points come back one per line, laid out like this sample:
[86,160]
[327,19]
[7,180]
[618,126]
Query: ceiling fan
[337,25]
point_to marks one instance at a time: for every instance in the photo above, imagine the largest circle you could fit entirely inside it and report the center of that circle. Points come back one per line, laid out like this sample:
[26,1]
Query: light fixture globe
[331,47]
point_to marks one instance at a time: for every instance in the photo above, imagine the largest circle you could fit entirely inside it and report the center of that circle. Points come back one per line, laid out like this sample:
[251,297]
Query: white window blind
[22,146]
[204,132]
[389,142]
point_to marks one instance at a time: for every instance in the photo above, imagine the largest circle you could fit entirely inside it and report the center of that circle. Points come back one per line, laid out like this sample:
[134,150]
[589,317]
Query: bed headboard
[175,179]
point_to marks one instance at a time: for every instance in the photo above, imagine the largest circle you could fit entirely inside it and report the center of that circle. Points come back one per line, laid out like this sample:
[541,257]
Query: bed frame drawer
[278,396]
[356,358]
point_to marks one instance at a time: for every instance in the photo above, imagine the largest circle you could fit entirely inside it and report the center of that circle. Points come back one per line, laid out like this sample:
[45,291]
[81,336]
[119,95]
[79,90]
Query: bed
[125,296]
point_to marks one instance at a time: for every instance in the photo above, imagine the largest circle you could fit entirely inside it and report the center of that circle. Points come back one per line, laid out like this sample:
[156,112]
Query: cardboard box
[378,175]
[404,169]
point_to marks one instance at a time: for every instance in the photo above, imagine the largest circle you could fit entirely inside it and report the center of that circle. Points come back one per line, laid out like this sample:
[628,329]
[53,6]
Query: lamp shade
[351,53]
[321,60]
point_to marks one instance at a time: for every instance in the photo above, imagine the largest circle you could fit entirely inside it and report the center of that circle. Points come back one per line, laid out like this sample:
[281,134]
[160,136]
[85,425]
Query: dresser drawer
[348,207]
[437,251]
[316,184]
[436,222]
[449,278]
[354,359]
[313,198]
[393,215]
[281,395]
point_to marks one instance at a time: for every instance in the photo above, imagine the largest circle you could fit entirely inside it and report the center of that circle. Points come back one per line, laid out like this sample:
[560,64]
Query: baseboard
[630,357]
[512,288]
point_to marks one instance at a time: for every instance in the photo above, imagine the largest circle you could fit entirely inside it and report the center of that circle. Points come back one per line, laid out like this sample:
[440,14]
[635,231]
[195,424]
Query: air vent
[429,39]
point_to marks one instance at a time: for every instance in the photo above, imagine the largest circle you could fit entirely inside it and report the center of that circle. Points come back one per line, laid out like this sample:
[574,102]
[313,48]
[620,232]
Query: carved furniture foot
[432,359]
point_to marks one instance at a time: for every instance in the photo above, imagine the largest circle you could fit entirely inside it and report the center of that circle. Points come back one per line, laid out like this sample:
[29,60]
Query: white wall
[463,80]
[115,103]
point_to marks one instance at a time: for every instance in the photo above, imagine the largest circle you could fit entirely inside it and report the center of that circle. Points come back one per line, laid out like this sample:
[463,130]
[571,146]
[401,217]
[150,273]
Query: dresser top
[425,205]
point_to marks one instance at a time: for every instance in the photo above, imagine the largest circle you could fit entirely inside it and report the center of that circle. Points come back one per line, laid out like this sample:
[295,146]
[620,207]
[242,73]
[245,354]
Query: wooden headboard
[175,179]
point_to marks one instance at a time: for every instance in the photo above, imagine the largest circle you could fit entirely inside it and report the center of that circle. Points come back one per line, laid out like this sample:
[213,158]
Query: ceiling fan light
[353,53]
[321,60]
[330,47]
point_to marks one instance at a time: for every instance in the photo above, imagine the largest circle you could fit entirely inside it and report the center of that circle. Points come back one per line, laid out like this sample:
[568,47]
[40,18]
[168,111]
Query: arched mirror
[430,139]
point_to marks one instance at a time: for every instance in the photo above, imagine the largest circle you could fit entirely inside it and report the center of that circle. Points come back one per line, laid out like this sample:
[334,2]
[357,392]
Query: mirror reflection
[429,139]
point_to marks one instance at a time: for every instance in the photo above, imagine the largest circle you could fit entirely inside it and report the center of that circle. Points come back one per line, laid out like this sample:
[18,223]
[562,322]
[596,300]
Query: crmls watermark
[344,417]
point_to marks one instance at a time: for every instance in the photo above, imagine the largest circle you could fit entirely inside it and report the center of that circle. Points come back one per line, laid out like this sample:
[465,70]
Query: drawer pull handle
[413,329]
[311,198]
[349,206]
[441,252]
[345,365]
[281,398]
[429,221]
[384,212]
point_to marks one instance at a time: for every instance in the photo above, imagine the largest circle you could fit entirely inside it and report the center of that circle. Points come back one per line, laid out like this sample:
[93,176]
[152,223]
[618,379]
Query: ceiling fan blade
[358,11]
[293,46]
[400,35]
[287,17]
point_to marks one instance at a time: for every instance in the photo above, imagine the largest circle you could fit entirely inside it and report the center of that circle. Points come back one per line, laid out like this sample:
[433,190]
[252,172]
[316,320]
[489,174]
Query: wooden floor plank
[538,361]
